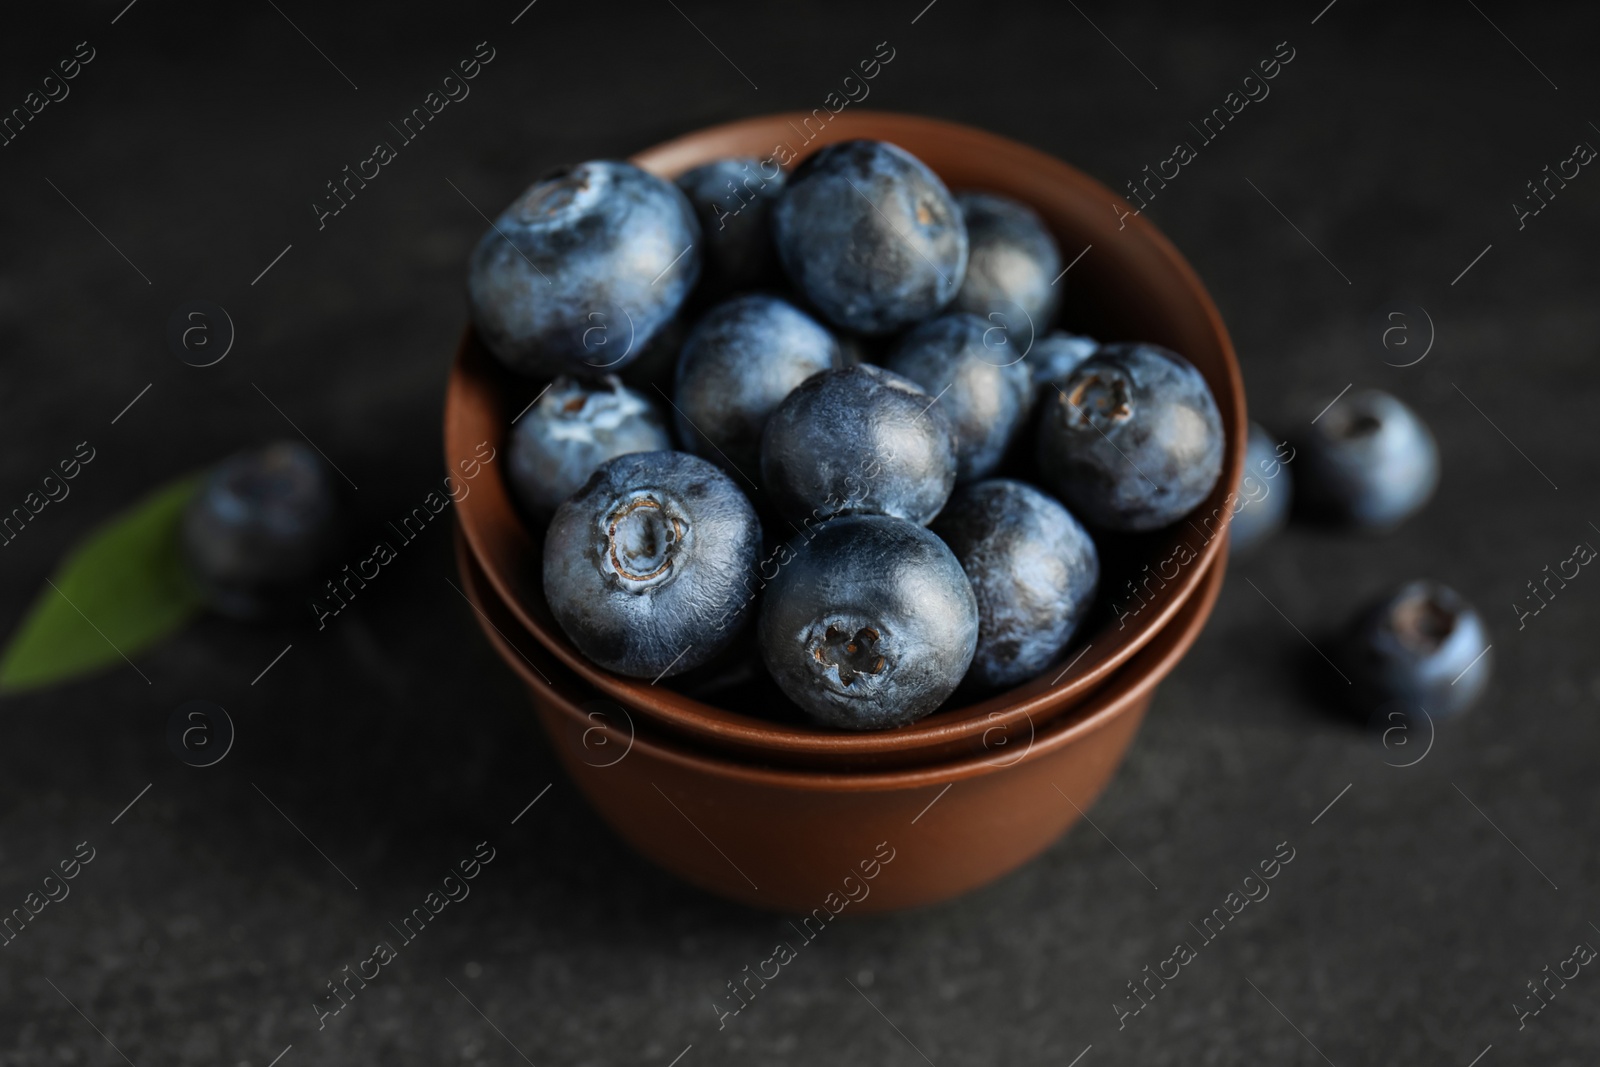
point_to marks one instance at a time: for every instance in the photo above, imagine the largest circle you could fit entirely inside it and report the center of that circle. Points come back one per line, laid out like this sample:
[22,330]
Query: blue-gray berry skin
[1034,572]
[1422,646]
[647,567]
[870,622]
[652,367]
[1367,462]
[1132,440]
[572,429]
[981,380]
[259,527]
[583,269]
[738,364]
[871,236]
[1057,354]
[733,200]
[1011,263]
[1266,489]
[860,439]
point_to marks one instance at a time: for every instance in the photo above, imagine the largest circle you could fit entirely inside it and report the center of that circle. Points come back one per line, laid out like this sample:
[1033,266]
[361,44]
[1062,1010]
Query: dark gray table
[1385,161]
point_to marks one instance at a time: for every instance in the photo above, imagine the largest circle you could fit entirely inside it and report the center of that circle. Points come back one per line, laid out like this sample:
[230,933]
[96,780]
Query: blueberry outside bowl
[1129,284]
[806,841]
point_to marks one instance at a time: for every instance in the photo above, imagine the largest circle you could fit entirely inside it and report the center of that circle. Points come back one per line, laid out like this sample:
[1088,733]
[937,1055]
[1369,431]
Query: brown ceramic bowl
[1130,284]
[785,839]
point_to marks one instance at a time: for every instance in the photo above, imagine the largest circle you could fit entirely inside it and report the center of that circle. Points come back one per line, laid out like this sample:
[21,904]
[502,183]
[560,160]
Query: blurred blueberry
[1423,646]
[859,439]
[576,426]
[738,364]
[653,367]
[870,236]
[733,199]
[1367,462]
[1034,571]
[259,527]
[980,379]
[1057,354]
[583,269]
[648,567]
[1265,490]
[869,623]
[1011,264]
[1132,439]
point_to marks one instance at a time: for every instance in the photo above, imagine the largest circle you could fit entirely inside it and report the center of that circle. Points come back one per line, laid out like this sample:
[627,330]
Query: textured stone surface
[196,140]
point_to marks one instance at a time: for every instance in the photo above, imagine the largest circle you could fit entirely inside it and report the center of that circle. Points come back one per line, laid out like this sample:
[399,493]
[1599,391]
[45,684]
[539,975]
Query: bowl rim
[471,399]
[1121,694]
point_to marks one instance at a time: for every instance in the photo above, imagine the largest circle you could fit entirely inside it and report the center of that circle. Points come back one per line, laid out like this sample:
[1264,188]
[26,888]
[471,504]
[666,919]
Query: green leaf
[117,593]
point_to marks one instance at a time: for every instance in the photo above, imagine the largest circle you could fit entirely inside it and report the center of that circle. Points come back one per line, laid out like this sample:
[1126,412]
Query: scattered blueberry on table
[1266,490]
[1367,462]
[258,528]
[1420,647]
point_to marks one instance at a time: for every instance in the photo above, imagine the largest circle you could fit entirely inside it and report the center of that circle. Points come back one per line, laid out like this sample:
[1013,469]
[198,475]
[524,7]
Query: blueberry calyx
[1421,622]
[1101,398]
[644,536]
[848,650]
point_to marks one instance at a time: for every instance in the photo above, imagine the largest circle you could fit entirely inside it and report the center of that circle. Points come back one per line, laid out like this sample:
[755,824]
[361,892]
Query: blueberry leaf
[120,591]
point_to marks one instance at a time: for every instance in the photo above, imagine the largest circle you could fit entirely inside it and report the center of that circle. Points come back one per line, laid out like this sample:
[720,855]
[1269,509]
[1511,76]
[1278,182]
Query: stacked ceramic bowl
[725,786]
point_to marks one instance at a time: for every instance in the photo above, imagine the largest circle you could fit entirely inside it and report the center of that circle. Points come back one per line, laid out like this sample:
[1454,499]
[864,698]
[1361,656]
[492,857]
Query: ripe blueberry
[738,364]
[980,379]
[858,439]
[583,269]
[258,528]
[870,236]
[1265,490]
[1132,439]
[1368,462]
[1034,571]
[1057,354]
[870,622]
[733,200]
[647,567]
[1423,646]
[575,427]
[1011,264]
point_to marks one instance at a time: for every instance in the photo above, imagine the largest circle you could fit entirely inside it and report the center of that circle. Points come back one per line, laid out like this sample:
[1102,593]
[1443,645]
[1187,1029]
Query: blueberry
[1422,646]
[652,368]
[583,269]
[1057,354]
[1132,439]
[733,200]
[1265,490]
[858,439]
[1034,571]
[870,236]
[259,527]
[738,364]
[576,426]
[869,623]
[980,379]
[1366,462]
[648,567]
[1012,263]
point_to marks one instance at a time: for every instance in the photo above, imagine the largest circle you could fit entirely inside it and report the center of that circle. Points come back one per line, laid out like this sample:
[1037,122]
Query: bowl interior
[1128,284]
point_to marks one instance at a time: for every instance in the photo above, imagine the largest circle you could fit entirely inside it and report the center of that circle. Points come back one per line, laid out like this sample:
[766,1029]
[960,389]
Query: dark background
[196,140]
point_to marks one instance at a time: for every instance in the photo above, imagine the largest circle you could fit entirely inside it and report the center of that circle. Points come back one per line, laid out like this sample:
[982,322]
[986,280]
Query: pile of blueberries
[787,406]
[826,410]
